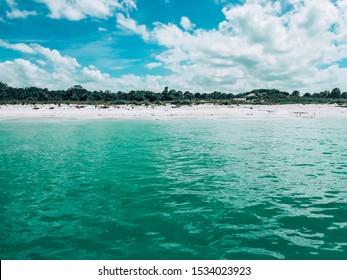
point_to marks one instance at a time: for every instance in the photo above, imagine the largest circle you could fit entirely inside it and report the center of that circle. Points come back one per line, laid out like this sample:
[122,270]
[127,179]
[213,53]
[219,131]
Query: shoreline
[167,112]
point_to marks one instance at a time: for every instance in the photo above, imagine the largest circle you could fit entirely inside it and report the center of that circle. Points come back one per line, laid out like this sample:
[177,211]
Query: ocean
[174,189]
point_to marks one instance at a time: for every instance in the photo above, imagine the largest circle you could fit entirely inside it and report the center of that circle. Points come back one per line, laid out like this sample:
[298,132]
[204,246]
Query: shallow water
[217,189]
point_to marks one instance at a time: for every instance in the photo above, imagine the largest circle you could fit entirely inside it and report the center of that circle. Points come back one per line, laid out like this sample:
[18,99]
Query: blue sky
[196,45]
[111,50]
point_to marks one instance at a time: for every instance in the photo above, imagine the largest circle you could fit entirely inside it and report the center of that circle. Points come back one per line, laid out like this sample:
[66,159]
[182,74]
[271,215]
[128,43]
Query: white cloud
[288,44]
[15,12]
[220,1]
[11,3]
[60,63]
[94,75]
[20,14]
[17,47]
[130,24]
[41,62]
[153,65]
[16,72]
[101,29]
[186,23]
[53,70]
[80,9]
[259,44]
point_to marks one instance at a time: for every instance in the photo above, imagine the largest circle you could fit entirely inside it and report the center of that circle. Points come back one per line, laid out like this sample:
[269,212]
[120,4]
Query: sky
[197,45]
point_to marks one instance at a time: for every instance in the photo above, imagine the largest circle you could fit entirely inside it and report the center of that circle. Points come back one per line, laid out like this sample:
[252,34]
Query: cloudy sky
[196,45]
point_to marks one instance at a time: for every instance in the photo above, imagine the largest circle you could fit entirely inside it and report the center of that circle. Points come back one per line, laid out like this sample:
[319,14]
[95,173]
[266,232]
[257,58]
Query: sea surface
[179,189]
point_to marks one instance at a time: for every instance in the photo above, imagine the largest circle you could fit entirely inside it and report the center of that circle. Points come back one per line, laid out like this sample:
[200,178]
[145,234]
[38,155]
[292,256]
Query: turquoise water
[217,189]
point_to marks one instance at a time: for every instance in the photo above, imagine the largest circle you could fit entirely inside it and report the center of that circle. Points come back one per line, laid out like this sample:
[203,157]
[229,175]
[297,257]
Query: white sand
[8,112]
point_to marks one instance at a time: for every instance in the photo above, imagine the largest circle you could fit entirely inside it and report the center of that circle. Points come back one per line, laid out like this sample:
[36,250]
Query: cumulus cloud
[60,62]
[16,13]
[17,47]
[94,75]
[128,23]
[287,44]
[186,23]
[19,70]
[283,44]
[80,9]
[49,68]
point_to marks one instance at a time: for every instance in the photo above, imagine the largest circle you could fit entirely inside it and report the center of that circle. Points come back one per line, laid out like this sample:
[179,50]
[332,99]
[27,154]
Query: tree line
[78,94]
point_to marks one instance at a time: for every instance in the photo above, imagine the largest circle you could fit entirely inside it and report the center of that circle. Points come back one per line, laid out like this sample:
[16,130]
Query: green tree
[335,93]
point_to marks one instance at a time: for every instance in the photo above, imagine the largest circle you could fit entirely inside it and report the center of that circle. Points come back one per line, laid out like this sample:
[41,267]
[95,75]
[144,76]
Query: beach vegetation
[79,95]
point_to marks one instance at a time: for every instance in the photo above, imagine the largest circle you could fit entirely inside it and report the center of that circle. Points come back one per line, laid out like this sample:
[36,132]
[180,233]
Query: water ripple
[173,190]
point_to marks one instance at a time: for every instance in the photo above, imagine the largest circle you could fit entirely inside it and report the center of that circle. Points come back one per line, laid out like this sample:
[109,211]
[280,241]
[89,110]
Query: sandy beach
[208,111]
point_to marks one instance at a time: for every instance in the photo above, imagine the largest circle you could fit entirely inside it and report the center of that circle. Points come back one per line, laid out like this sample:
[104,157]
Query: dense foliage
[77,94]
